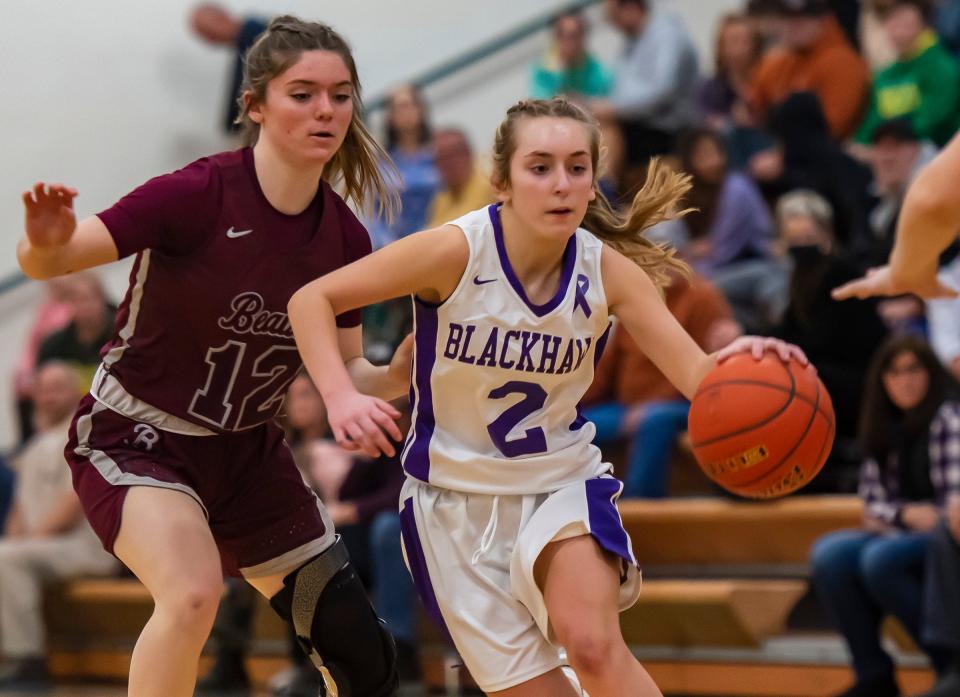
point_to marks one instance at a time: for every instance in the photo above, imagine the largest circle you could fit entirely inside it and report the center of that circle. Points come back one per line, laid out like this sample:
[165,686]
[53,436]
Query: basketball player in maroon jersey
[174,452]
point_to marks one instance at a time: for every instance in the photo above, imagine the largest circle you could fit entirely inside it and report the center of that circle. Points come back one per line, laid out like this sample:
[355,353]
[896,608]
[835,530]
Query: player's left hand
[758,345]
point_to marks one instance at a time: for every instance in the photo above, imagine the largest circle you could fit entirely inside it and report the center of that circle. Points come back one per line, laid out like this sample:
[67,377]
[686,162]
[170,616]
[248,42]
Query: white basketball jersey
[497,380]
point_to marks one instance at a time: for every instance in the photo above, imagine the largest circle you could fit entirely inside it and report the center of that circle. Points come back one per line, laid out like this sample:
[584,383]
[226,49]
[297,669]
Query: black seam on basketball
[793,386]
[793,449]
[797,396]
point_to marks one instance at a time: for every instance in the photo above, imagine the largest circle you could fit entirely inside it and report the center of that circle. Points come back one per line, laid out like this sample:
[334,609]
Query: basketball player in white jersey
[509,517]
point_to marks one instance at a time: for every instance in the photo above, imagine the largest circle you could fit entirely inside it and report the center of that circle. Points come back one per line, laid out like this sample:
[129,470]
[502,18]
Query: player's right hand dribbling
[362,422]
[50,220]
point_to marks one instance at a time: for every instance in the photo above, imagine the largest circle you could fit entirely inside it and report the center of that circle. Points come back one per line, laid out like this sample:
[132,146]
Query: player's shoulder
[198,178]
[474,222]
[337,211]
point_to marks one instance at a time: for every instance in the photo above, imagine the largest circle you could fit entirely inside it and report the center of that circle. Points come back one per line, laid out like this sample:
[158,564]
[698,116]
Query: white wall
[103,94]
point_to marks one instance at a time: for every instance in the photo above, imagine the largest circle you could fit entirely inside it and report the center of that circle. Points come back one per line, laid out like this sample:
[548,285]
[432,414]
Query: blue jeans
[393,594]
[651,446]
[860,577]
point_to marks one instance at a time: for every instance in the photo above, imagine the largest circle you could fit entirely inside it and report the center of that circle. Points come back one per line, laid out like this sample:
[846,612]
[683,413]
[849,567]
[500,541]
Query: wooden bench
[719,575]
[710,612]
[715,536]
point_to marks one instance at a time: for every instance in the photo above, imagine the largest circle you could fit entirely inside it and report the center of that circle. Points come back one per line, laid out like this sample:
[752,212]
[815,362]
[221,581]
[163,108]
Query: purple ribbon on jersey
[580,295]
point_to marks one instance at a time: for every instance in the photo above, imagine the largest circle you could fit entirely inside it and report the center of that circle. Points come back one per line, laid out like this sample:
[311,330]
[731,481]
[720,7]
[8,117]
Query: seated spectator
[52,314]
[896,157]
[922,84]
[941,599]
[631,399]
[814,55]
[838,338]
[738,48]
[731,222]
[408,142]
[654,85]
[806,157]
[90,328]
[47,537]
[567,67]
[910,435]
[465,186]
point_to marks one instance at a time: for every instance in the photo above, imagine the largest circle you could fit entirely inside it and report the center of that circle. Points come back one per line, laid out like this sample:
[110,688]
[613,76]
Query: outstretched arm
[428,264]
[53,243]
[633,298]
[929,222]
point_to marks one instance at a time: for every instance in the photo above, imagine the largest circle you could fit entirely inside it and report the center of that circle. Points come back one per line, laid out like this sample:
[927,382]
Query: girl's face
[906,380]
[551,175]
[736,45]
[405,112]
[308,107]
[708,161]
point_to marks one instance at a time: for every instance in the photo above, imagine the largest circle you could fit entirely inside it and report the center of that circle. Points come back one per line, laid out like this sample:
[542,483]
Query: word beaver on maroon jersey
[249,317]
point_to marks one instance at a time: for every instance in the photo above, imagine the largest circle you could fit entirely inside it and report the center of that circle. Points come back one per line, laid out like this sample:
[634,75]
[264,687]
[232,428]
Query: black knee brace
[337,627]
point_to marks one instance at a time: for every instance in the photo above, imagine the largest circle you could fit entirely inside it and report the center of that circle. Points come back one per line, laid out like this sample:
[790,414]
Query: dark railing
[428,77]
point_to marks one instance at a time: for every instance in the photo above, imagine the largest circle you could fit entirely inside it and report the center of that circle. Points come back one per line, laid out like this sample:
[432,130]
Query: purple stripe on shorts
[605,524]
[418,564]
[569,261]
[416,460]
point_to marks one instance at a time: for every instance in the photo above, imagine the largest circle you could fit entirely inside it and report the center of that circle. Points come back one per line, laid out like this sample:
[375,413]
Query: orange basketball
[761,429]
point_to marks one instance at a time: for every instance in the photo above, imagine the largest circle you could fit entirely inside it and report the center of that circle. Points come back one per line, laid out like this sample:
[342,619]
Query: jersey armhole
[602,248]
[463,276]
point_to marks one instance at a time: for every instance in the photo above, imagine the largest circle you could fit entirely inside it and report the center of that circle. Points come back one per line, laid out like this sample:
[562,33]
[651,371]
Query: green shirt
[924,88]
[587,79]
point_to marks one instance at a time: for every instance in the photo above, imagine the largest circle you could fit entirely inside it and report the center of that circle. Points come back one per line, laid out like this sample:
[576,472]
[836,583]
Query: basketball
[761,429]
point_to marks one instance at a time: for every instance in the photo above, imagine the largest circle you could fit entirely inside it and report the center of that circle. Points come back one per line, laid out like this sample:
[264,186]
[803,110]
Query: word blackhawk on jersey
[498,380]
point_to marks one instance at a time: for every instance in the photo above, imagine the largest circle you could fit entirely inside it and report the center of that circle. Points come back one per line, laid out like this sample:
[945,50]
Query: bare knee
[193,606]
[590,650]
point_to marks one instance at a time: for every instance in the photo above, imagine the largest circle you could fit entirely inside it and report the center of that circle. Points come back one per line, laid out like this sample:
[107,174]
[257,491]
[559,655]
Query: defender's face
[551,175]
[308,107]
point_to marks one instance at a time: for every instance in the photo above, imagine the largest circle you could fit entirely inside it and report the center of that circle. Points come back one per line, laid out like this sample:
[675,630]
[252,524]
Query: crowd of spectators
[800,141]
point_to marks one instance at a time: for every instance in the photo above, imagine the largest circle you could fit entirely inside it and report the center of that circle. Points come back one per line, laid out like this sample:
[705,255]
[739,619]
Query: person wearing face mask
[838,337]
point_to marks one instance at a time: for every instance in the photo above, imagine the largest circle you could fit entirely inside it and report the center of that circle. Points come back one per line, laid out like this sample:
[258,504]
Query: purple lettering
[488,357]
[527,341]
[453,341]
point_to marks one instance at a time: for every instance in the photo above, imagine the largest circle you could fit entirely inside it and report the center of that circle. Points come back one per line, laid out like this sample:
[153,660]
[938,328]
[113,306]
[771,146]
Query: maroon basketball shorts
[264,519]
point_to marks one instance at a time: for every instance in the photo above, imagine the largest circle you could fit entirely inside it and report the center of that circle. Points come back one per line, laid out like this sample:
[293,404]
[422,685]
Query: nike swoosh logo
[231,233]
[479,282]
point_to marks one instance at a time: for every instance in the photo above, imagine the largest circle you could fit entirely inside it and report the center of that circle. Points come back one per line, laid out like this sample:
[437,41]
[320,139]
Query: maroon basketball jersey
[202,334]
